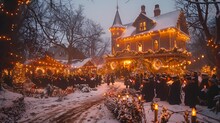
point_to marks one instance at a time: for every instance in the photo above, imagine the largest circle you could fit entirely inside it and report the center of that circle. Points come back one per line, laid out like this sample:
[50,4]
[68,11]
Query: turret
[116,31]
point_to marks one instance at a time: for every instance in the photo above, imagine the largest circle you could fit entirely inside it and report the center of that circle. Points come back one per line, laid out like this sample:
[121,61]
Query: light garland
[198,58]
[3,37]
[17,56]
[8,12]
[212,44]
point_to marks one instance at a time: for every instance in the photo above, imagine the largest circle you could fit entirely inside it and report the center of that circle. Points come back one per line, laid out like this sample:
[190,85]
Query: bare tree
[67,27]
[199,14]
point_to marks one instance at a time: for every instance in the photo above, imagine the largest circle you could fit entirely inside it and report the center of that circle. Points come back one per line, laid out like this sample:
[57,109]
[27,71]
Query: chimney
[143,9]
[156,10]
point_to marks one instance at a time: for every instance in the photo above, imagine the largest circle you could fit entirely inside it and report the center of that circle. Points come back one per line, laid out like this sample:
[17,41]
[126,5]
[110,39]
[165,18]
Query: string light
[198,58]
[3,37]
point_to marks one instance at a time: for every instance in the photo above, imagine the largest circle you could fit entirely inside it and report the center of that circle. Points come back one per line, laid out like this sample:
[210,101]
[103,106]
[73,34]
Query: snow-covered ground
[80,107]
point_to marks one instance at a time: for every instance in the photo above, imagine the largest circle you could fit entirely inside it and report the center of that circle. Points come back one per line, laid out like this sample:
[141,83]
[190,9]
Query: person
[108,79]
[137,82]
[164,88]
[126,81]
[174,95]
[112,79]
[191,92]
[148,89]
[213,91]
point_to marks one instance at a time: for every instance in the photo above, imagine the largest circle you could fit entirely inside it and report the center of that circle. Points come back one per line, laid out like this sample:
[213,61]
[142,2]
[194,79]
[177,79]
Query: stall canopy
[85,63]
[45,61]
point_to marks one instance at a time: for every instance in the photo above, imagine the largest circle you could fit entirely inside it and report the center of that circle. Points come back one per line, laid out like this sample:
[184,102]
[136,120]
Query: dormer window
[142,26]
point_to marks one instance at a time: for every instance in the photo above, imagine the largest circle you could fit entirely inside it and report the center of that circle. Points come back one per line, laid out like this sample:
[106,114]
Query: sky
[103,11]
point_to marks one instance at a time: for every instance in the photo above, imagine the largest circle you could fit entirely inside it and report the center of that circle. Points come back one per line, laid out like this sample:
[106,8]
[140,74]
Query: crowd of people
[190,89]
[63,82]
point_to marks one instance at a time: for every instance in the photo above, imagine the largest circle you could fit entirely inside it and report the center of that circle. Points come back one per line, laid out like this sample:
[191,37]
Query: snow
[47,109]
[164,21]
[7,98]
[81,63]
[129,30]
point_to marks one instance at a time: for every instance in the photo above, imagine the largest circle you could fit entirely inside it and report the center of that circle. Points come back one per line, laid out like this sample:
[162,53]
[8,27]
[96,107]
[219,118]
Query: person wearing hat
[190,92]
[148,89]
[213,90]
[174,94]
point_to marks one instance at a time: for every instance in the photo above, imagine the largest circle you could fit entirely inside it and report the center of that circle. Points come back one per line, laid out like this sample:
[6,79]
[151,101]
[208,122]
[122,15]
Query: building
[62,53]
[150,43]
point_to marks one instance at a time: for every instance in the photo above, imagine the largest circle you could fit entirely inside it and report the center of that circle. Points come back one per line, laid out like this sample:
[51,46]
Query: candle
[193,118]
[127,96]
[139,99]
[155,112]
[119,96]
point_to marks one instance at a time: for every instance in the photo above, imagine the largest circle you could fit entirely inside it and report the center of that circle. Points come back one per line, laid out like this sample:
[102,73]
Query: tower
[116,31]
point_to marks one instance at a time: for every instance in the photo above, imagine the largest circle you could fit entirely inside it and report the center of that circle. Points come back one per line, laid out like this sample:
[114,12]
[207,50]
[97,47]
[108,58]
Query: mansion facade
[160,41]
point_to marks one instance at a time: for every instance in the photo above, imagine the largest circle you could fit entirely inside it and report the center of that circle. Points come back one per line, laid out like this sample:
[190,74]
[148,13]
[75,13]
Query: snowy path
[80,107]
[75,108]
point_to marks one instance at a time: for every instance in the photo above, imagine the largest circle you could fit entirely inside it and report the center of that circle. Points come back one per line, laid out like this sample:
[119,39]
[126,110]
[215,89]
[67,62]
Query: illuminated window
[142,26]
[140,48]
[156,45]
[128,47]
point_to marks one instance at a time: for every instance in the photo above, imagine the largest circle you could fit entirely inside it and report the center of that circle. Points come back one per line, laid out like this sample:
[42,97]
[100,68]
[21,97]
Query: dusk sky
[103,11]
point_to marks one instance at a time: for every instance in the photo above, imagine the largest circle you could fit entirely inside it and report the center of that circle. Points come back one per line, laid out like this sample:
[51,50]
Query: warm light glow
[193,112]
[127,96]
[155,106]
[139,97]
[203,56]
[119,96]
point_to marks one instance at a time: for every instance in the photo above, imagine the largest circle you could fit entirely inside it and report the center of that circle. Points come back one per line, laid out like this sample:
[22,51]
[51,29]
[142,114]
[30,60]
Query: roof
[81,63]
[163,21]
[117,21]
[55,51]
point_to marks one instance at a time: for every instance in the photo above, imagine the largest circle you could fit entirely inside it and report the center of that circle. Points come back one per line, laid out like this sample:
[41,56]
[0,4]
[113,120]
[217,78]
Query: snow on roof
[130,29]
[163,21]
[81,63]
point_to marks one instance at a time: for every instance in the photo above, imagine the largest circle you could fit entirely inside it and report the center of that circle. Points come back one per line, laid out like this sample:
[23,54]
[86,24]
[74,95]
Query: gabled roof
[117,21]
[82,63]
[163,21]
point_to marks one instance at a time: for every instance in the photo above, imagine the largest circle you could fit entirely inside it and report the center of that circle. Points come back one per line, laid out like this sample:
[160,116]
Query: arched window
[156,45]
[128,47]
[140,47]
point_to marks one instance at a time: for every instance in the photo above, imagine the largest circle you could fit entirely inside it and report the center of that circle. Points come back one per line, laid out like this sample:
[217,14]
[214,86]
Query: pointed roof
[117,20]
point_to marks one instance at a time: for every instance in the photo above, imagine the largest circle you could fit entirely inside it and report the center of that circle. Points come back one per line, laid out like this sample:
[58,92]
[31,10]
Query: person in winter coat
[174,94]
[164,89]
[126,81]
[108,79]
[190,92]
[112,79]
[213,91]
[148,89]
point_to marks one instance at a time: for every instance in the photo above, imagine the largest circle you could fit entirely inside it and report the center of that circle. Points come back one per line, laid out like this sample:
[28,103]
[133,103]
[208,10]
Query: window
[140,48]
[128,47]
[142,26]
[156,45]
